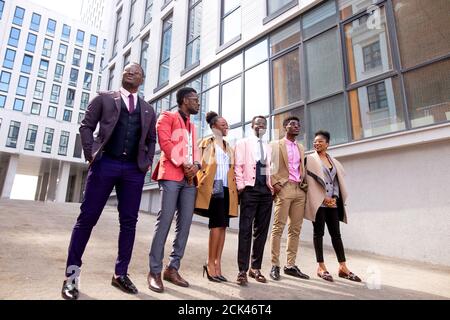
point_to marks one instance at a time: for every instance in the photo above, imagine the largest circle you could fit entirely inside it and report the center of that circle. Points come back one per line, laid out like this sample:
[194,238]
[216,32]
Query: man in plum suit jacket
[175,172]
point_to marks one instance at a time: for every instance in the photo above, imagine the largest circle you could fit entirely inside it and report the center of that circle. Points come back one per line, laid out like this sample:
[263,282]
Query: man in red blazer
[175,172]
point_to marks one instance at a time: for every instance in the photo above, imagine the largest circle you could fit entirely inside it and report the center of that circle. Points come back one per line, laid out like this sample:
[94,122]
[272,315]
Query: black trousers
[330,216]
[255,213]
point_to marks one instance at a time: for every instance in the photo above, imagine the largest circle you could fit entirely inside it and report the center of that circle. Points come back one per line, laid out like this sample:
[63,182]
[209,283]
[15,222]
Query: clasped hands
[190,170]
[330,202]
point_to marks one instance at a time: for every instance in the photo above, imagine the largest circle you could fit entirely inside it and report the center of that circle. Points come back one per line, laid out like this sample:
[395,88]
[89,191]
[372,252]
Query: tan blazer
[317,190]
[206,176]
[280,162]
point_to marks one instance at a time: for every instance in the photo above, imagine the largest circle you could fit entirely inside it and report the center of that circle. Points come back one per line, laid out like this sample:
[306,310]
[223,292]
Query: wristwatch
[199,166]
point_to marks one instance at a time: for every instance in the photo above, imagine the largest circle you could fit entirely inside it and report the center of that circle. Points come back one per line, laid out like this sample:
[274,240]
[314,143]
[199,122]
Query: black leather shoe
[222,278]
[275,273]
[295,272]
[69,291]
[124,283]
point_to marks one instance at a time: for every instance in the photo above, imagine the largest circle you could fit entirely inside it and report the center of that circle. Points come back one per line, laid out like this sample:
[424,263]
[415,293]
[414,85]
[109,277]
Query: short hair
[287,120]
[258,117]
[182,93]
[324,134]
[136,64]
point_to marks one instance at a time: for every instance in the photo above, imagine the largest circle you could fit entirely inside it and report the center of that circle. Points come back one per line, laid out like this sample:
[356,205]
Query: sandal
[257,276]
[325,276]
[351,276]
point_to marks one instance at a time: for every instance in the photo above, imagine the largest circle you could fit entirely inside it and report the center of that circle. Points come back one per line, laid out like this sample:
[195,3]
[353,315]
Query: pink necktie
[131,103]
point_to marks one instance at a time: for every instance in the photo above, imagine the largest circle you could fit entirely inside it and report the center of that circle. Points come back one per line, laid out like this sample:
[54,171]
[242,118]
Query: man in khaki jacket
[287,178]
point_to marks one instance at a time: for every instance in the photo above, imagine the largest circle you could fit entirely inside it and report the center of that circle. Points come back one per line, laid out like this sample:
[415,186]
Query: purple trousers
[103,176]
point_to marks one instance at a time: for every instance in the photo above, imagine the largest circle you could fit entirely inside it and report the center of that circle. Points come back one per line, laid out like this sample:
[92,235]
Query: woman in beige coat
[325,204]
[217,197]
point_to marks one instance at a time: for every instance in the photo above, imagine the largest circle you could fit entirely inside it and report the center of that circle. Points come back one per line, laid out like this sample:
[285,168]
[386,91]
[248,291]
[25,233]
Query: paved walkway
[35,235]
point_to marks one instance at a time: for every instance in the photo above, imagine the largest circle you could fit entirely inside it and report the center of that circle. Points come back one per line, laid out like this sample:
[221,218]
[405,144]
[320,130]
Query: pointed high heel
[210,278]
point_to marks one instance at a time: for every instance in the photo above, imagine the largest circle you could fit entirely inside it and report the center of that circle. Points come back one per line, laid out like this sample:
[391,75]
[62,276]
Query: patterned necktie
[131,103]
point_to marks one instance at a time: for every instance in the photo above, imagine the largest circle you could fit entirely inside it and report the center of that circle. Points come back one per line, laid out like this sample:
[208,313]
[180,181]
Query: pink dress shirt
[293,161]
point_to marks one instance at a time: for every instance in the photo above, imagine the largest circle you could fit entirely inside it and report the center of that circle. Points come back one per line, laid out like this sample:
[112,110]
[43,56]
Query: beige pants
[289,203]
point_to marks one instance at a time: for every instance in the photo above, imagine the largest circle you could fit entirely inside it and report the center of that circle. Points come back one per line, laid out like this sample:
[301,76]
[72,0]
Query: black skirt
[218,211]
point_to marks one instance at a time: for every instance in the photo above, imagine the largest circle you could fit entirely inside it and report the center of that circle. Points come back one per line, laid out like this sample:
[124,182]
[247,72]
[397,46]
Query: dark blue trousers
[103,176]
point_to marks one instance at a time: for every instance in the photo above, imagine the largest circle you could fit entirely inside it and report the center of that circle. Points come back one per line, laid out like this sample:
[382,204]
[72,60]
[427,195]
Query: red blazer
[173,139]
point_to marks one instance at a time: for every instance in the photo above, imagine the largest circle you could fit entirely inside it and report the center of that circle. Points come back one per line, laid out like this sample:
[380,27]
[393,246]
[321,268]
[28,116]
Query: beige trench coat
[206,176]
[316,187]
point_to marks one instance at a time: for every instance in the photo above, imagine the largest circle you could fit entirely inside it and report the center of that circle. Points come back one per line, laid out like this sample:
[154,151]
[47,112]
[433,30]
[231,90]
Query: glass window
[51,113]
[278,131]
[14,36]
[210,102]
[62,52]
[126,58]
[424,21]
[230,20]
[144,59]
[78,148]
[18,16]
[231,68]
[76,57]
[39,90]
[67,116]
[47,48]
[329,115]
[26,64]
[31,42]
[36,108]
[13,134]
[93,42]
[51,27]
[324,65]
[80,37]
[5,78]
[211,78]
[10,56]
[99,82]
[30,140]
[275,5]
[2,5]
[257,91]
[18,105]
[59,72]
[164,63]
[87,81]
[22,86]
[117,31]
[35,22]
[130,32]
[319,19]
[2,101]
[286,79]
[285,38]
[54,97]
[232,101]
[428,94]
[196,84]
[256,54]
[65,35]
[70,97]
[90,62]
[63,143]
[84,101]
[43,69]
[368,49]
[48,140]
[148,11]
[80,117]
[234,135]
[111,77]
[193,32]
[347,8]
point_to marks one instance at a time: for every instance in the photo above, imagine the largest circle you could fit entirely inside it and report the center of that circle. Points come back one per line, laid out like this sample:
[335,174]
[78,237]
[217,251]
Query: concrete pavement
[34,237]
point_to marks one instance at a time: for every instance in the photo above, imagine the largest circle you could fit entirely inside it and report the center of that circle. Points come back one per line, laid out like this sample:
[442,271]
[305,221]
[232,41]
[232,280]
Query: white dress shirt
[256,151]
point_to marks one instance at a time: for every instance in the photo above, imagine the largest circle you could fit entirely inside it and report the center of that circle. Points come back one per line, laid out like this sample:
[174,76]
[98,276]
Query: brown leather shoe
[155,282]
[257,276]
[242,278]
[172,275]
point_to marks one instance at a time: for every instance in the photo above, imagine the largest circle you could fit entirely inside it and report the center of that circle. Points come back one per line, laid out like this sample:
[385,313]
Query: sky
[70,8]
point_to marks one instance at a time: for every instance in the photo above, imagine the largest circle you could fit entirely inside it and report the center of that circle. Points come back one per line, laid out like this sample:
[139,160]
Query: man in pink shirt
[287,176]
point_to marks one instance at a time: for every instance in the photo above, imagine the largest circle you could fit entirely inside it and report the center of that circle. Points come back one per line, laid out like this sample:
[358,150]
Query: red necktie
[131,103]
